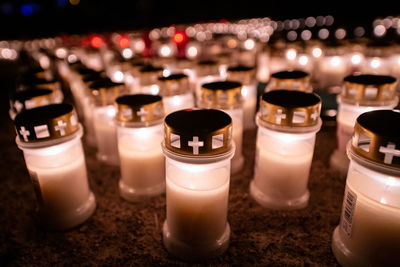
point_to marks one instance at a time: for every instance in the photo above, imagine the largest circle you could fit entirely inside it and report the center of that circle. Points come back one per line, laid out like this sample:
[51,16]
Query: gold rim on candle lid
[240,73]
[207,67]
[149,74]
[221,95]
[174,84]
[105,91]
[140,108]
[46,123]
[377,137]
[196,133]
[368,89]
[290,80]
[31,98]
[290,108]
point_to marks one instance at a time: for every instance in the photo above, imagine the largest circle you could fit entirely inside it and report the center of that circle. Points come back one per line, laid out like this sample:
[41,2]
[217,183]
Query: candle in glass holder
[175,92]
[227,96]
[52,84]
[360,93]
[140,133]
[245,75]
[198,152]
[369,230]
[377,58]
[287,124]
[206,71]
[148,75]
[104,93]
[31,98]
[289,80]
[50,138]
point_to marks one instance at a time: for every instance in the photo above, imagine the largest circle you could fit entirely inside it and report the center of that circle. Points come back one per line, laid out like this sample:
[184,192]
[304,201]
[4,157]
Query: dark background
[25,19]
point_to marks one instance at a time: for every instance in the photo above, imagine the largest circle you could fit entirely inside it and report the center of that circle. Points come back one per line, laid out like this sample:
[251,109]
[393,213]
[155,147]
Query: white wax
[178,102]
[374,236]
[142,170]
[106,134]
[344,133]
[282,170]
[332,71]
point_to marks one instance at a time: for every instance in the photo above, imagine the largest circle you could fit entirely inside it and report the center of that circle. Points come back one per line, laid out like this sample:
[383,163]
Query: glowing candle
[245,75]
[227,96]
[361,93]
[198,152]
[148,76]
[369,229]
[288,122]
[206,71]
[332,70]
[50,139]
[52,84]
[377,58]
[290,80]
[104,93]
[175,92]
[31,98]
[140,133]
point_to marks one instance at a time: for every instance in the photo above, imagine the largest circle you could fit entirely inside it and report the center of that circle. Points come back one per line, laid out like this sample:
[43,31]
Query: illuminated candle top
[46,123]
[174,84]
[290,80]
[287,110]
[377,139]
[140,108]
[149,74]
[31,98]
[221,94]
[368,89]
[105,91]
[192,133]
[207,67]
[243,74]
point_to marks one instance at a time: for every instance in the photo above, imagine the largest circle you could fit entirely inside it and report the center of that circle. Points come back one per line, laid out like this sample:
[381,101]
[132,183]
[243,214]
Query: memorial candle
[148,75]
[227,96]
[49,137]
[369,229]
[206,71]
[290,80]
[140,133]
[288,122]
[198,152]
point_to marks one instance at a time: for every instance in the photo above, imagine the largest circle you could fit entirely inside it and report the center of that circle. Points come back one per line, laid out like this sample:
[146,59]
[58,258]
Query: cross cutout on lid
[390,152]
[142,113]
[195,143]
[25,133]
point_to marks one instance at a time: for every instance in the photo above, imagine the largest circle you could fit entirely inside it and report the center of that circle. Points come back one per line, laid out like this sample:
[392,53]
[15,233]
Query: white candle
[56,164]
[198,154]
[106,134]
[142,162]
[369,230]
[332,70]
[177,102]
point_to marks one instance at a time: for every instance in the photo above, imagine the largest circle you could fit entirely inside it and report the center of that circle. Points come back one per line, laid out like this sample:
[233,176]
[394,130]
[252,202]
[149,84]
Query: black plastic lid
[370,79]
[150,68]
[240,68]
[175,76]
[103,83]
[291,99]
[30,93]
[384,123]
[137,100]
[294,74]
[222,85]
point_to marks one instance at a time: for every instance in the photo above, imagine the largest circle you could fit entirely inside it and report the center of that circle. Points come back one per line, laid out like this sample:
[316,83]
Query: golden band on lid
[290,80]
[207,67]
[368,89]
[174,84]
[148,74]
[290,108]
[46,123]
[377,137]
[139,108]
[32,98]
[105,91]
[193,132]
[221,95]
[242,74]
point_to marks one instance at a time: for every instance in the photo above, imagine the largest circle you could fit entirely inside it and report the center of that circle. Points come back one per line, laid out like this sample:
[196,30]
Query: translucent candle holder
[297,80]
[246,75]
[53,85]
[140,133]
[148,76]
[31,98]
[360,93]
[227,96]
[104,93]
[206,71]
[50,138]
[198,153]
[175,92]
[287,125]
[369,229]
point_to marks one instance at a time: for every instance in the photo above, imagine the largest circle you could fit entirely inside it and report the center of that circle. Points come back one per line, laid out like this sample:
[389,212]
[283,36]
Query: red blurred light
[179,37]
[124,41]
[96,41]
